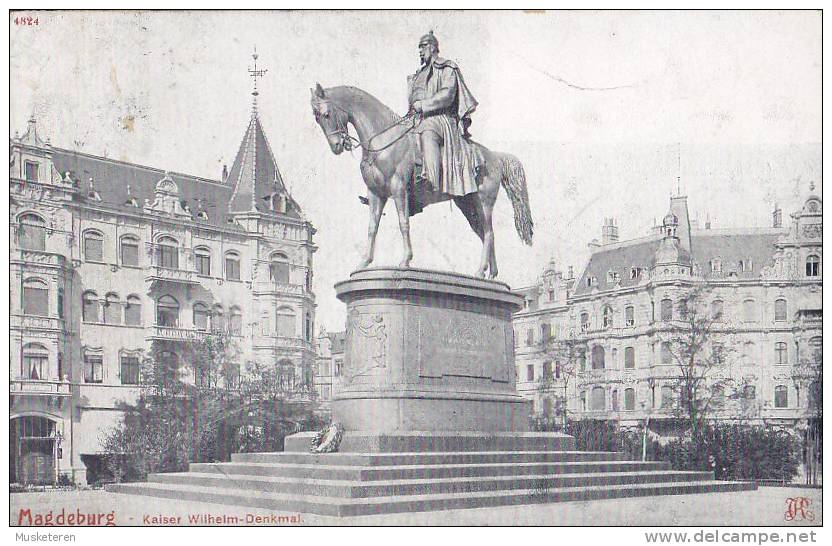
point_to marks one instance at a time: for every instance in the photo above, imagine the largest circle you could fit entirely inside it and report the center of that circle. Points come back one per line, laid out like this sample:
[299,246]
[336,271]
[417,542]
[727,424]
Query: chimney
[708,222]
[609,231]
[570,273]
[777,217]
[224,172]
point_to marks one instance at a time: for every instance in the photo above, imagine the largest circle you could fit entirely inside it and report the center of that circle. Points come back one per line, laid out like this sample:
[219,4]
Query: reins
[344,133]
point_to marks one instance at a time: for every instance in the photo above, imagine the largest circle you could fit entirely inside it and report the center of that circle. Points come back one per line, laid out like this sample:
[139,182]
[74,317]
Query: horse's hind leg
[472,210]
[399,191]
[489,255]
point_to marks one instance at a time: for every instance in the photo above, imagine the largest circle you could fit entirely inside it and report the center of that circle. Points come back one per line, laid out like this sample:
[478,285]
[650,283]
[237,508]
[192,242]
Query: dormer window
[635,272]
[613,277]
[591,281]
[716,266]
[202,215]
[31,171]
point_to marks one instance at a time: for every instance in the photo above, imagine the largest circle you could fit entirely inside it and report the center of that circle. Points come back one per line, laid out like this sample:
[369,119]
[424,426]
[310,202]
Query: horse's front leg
[376,203]
[399,190]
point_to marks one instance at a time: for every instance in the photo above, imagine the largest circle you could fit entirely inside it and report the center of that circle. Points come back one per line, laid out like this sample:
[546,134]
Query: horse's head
[332,119]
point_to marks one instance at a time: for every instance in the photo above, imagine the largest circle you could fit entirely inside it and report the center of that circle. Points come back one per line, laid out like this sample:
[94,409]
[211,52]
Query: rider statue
[439,95]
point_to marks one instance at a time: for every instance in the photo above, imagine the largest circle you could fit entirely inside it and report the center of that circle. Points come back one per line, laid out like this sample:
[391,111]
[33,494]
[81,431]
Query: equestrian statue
[427,156]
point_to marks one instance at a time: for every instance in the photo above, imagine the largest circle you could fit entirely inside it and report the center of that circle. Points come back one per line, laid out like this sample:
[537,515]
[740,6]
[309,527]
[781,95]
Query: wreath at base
[328,439]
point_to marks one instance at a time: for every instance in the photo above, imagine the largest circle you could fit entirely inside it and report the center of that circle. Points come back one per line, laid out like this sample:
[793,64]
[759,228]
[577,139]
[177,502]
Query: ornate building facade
[763,291]
[107,256]
[330,360]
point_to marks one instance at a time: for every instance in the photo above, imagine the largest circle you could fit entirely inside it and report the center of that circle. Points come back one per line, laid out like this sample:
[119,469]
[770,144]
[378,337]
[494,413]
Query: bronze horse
[390,155]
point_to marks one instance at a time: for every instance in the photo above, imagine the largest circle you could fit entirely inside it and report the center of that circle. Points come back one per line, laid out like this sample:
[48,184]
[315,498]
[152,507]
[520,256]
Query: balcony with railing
[274,341]
[157,273]
[39,387]
[175,333]
[279,289]
[37,257]
[31,322]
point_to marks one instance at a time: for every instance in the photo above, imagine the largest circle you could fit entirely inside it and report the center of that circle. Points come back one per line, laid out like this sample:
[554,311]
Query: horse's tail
[513,178]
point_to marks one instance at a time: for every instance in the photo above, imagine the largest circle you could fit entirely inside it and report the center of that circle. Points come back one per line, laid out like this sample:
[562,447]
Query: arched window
[666,355]
[749,352]
[285,322]
[308,327]
[557,370]
[583,400]
[667,309]
[780,310]
[167,253]
[716,265]
[545,333]
[112,309]
[581,359]
[35,362]
[781,353]
[781,396]
[598,399]
[217,318]
[202,257]
[236,322]
[89,309]
[547,371]
[529,337]
[35,297]
[93,246]
[629,399]
[279,268]
[167,311]
[813,265]
[60,303]
[614,400]
[667,397]
[607,315]
[629,357]
[201,316]
[584,322]
[716,310]
[133,311]
[629,316]
[232,266]
[598,358]
[32,232]
[130,251]
[749,311]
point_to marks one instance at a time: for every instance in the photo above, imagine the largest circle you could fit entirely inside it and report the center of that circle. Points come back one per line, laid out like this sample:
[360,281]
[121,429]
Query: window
[813,266]
[112,309]
[308,327]
[716,310]
[35,361]
[666,355]
[583,400]
[614,400]
[529,337]
[717,395]
[285,322]
[683,309]
[93,368]
[31,171]
[530,372]
[584,322]
[598,399]
[202,256]
[557,370]
[279,269]
[667,397]
[167,311]
[635,272]
[607,316]
[32,232]
[60,303]
[130,370]
[201,316]
[597,358]
[129,252]
[781,396]
[167,253]
[749,311]
[545,333]
[133,311]
[629,357]
[35,297]
[338,365]
[781,353]
[716,266]
[61,367]
[232,266]
[667,309]
[232,376]
[613,277]
[581,359]
[780,310]
[217,319]
[89,309]
[748,352]
[93,246]
[749,392]
[547,371]
[629,399]
[236,325]
[629,316]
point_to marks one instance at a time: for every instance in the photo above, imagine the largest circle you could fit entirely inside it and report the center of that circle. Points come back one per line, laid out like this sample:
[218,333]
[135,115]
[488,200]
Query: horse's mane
[347,94]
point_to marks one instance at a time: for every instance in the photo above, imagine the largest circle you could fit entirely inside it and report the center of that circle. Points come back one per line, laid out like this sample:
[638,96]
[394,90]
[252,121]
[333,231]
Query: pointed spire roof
[254,175]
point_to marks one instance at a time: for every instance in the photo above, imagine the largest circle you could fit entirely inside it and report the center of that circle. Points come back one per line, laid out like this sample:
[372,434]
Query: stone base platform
[407,472]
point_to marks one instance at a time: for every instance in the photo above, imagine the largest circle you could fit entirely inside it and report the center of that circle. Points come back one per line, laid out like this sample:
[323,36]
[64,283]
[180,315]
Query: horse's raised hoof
[364,264]
[404,264]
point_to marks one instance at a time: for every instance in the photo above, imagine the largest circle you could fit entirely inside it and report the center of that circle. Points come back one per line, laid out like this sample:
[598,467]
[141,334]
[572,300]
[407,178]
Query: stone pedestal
[428,351]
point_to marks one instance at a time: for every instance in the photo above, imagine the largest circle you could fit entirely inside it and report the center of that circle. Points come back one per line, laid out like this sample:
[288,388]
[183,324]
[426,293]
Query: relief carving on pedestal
[367,345]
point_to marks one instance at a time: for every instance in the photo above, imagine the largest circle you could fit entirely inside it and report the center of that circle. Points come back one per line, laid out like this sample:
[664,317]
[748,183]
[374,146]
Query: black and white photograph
[416,268]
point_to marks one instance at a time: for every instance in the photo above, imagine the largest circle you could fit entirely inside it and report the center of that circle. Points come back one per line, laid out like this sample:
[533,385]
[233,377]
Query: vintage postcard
[374,268]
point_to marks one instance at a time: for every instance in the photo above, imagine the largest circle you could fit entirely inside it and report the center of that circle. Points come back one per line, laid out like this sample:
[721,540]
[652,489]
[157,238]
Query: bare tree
[565,356]
[702,384]
[807,375]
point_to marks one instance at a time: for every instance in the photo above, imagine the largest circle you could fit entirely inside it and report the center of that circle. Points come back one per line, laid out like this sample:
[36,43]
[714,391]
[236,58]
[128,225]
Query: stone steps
[417,503]
[387,488]
[421,471]
[393,459]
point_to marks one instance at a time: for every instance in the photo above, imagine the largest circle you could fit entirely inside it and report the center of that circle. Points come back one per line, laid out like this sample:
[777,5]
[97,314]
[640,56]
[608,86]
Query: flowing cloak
[447,105]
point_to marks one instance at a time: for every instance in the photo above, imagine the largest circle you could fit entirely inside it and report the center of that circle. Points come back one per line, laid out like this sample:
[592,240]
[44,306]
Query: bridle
[347,139]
